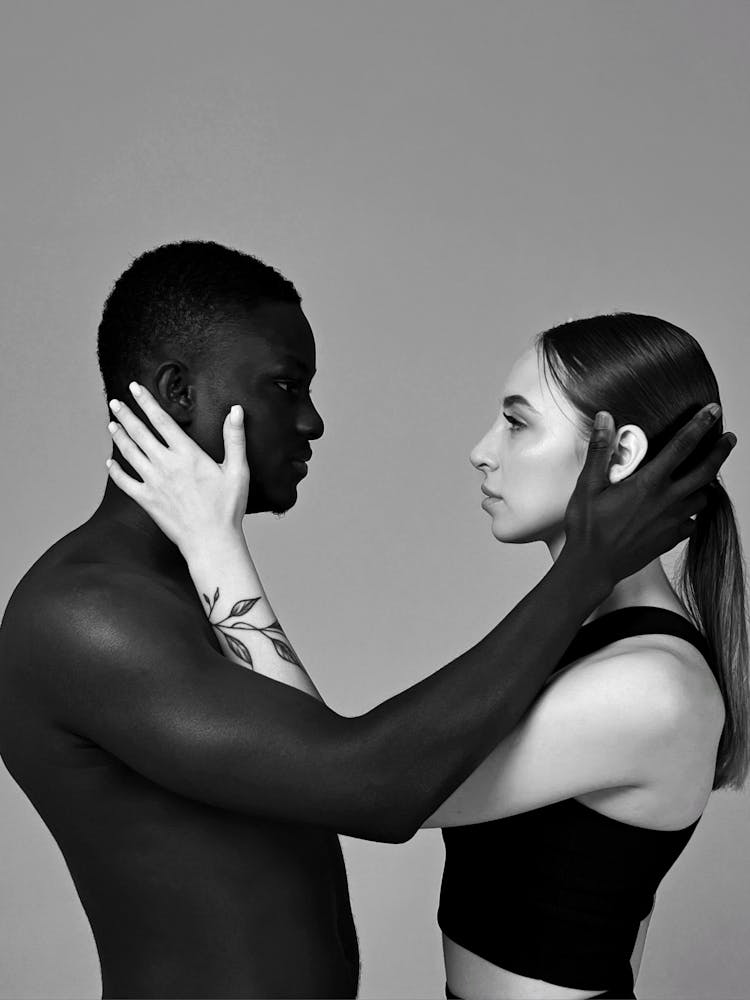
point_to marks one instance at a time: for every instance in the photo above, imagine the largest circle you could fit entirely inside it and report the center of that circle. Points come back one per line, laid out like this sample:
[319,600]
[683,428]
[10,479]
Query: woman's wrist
[216,541]
[238,608]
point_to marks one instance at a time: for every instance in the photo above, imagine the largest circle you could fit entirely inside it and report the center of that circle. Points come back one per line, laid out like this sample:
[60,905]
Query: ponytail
[711,583]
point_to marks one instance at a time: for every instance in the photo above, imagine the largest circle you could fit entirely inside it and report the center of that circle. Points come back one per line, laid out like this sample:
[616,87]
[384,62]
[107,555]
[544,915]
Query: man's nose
[311,423]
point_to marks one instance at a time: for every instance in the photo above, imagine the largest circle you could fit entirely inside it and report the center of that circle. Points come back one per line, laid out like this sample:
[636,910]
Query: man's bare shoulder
[106,591]
[74,609]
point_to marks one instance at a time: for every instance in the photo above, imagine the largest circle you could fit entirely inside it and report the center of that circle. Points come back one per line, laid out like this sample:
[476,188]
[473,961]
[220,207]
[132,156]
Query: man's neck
[121,519]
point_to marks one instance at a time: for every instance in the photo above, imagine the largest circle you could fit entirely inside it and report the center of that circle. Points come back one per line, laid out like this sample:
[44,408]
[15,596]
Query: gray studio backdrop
[441,181]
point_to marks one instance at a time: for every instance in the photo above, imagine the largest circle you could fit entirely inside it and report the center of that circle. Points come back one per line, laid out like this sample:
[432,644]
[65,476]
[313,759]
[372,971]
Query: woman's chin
[510,535]
[503,534]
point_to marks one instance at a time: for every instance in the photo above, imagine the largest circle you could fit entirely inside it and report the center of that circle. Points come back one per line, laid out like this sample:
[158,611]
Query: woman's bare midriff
[657,807]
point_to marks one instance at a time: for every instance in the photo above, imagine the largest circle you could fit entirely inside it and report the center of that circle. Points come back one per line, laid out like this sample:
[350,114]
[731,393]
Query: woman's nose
[483,455]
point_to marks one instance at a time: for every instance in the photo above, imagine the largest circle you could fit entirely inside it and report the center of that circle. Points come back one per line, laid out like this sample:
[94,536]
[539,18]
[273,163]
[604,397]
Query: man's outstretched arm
[175,710]
[149,688]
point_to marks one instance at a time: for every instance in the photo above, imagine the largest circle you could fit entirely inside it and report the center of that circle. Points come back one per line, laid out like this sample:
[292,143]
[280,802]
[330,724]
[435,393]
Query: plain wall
[441,181]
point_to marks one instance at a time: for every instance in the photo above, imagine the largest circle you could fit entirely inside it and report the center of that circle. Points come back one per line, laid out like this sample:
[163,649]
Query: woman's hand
[184,490]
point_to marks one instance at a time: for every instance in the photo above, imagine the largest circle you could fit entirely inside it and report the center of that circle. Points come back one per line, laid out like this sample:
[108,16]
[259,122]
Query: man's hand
[617,529]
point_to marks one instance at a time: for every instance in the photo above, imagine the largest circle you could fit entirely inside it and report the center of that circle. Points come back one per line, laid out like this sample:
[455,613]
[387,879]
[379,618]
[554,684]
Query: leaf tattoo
[242,607]
[285,652]
[239,649]
[280,642]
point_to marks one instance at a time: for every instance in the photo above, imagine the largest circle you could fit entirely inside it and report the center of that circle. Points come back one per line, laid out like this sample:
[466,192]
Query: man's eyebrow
[516,400]
[290,361]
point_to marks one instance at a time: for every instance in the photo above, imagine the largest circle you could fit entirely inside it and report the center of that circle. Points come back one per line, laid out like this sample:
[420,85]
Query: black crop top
[558,893]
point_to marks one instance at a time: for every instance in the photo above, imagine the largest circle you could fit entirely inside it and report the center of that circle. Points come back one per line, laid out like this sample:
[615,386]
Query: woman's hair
[647,372]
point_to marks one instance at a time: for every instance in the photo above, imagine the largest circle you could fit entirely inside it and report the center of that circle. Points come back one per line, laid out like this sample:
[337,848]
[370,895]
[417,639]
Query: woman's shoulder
[658,669]
[683,671]
[671,673]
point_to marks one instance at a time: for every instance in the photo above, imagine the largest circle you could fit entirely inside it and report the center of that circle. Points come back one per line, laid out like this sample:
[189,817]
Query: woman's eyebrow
[516,400]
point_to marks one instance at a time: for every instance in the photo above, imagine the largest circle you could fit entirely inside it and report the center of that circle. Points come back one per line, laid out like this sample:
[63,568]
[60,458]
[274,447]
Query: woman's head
[533,453]
[652,377]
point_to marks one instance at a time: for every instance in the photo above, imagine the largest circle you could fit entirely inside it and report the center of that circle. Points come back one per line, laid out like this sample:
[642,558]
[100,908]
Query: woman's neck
[649,586]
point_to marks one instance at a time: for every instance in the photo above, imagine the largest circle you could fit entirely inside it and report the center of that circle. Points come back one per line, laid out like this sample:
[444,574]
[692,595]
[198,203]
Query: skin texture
[196,803]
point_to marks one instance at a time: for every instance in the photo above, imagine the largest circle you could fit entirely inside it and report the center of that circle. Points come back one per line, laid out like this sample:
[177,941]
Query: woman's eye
[515,425]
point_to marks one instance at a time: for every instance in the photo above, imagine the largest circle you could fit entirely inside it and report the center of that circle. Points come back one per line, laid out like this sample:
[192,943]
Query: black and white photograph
[374,602]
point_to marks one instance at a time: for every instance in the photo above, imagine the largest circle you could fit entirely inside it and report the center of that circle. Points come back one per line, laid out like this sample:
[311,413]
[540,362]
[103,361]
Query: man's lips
[299,463]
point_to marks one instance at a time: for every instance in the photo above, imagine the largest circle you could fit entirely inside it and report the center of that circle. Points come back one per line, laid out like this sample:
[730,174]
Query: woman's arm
[204,728]
[600,724]
[248,631]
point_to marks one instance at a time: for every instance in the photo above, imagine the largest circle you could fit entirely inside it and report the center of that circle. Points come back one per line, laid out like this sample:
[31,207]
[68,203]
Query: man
[197,804]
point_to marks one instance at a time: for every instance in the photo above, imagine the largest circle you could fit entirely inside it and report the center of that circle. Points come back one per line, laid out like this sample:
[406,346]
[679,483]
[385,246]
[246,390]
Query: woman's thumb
[234,436]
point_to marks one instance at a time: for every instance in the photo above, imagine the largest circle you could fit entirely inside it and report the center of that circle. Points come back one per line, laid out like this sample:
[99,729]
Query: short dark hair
[178,292]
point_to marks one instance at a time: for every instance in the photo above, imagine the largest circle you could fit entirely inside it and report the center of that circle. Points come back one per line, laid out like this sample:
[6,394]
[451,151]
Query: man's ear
[630,448]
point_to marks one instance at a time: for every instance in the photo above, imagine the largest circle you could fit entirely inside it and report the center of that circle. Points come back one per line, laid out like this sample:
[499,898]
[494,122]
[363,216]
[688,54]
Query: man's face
[265,363]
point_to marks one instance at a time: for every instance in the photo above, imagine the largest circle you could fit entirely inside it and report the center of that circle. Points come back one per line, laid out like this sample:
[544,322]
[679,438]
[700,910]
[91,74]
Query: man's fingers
[684,442]
[594,471]
[705,471]
[692,504]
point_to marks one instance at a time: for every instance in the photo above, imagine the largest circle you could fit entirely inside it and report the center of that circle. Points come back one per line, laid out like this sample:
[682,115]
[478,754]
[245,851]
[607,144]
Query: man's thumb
[594,472]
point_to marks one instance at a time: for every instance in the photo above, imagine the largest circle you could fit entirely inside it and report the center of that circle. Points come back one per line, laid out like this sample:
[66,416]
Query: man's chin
[279,503]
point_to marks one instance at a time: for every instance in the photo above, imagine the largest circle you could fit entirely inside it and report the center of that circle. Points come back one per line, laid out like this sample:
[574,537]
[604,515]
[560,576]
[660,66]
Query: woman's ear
[630,448]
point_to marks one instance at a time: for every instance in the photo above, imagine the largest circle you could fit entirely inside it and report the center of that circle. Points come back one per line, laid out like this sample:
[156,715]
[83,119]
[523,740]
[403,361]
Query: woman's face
[530,457]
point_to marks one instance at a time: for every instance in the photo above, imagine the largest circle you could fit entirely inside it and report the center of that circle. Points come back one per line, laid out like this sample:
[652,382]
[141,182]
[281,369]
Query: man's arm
[625,720]
[154,693]
[147,687]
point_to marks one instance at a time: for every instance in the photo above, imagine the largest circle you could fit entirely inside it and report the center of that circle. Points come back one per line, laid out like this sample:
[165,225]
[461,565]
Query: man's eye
[515,425]
[286,385]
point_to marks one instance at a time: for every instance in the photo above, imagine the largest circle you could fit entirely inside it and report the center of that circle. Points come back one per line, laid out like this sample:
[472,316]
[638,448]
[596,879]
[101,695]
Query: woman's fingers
[136,429]
[168,429]
[235,457]
[161,421]
[122,480]
[129,449]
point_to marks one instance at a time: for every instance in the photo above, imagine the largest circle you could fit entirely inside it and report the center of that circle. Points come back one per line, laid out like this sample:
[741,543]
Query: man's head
[204,326]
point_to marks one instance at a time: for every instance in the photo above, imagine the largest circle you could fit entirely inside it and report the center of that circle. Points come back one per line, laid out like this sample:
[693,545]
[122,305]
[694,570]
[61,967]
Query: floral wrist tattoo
[273,632]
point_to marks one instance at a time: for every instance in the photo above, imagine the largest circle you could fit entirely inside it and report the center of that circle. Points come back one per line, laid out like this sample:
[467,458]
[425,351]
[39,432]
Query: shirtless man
[197,804]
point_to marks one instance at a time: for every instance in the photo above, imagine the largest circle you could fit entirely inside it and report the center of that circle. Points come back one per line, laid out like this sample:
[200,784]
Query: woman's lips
[490,501]
[299,467]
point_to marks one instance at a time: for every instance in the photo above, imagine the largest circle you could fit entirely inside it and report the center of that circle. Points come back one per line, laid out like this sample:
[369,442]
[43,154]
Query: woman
[556,844]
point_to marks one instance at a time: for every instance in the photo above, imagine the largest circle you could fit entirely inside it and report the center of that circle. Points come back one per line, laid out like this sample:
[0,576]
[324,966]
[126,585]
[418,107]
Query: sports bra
[558,893]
